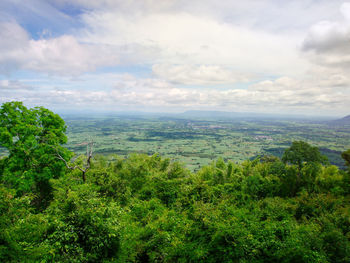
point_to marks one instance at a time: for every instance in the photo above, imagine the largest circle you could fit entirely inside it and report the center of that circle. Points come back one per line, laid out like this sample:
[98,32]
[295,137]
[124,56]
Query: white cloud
[6,84]
[270,15]
[278,85]
[327,42]
[217,45]
[283,95]
[127,82]
[186,39]
[198,74]
[63,55]
[289,92]
[345,11]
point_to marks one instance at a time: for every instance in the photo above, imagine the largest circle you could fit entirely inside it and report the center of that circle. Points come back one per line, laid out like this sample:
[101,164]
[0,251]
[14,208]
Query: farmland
[197,142]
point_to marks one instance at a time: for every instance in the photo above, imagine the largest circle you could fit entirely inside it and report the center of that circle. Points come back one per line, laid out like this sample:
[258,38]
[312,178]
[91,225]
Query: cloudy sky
[267,56]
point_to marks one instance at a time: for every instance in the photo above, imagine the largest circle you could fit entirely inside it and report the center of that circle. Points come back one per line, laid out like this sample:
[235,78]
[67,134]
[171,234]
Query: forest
[56,206]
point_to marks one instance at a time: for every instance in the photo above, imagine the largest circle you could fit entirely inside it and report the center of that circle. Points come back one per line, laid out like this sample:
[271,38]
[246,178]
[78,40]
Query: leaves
[31,137]
[149,209]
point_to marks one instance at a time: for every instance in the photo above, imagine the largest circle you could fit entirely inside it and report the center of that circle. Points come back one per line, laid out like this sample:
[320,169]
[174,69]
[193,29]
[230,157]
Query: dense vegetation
[149,209]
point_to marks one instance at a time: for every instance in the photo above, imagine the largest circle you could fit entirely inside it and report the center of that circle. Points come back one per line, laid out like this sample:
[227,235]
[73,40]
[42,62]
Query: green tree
[301,153]
[346,156]
[22,232]
[32,137]
[346,185]
[83,226]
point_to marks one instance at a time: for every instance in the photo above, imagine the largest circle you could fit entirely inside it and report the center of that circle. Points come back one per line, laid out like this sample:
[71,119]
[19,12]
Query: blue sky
[290,57]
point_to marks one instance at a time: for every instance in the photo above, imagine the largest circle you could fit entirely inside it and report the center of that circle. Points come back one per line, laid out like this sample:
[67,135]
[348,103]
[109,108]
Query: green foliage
[346,156]
[32,137]
[22,232]
[83,227]
[301,152]
[148,209]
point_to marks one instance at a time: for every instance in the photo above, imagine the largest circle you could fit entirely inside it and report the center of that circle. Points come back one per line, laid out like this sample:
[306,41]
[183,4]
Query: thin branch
[89,151]
[65,162]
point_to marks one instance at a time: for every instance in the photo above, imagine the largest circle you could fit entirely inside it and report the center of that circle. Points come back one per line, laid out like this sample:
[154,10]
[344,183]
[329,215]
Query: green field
[197,142]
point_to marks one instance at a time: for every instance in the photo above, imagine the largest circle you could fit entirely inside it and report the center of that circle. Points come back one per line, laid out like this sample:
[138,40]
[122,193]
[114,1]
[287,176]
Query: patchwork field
[197,142]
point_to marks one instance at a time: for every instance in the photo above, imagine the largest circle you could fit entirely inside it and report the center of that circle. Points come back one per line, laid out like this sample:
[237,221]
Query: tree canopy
[301,152]
[149,209]
[31,136]
[346,156]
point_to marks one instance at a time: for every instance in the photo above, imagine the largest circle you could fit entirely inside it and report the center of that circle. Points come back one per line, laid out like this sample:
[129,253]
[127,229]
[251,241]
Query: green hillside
[141,208]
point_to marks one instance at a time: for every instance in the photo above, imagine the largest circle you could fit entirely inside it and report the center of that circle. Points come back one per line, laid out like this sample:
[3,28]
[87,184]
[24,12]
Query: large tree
[32,138]
[300,153]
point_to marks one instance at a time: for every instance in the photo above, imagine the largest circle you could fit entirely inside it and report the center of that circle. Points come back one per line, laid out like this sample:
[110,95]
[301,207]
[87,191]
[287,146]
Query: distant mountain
[197,115]
[342,121]
[210,114]
[225,115]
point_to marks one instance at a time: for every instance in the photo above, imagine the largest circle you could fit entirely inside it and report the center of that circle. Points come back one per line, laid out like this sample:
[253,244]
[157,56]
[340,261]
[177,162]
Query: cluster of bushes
[149,209]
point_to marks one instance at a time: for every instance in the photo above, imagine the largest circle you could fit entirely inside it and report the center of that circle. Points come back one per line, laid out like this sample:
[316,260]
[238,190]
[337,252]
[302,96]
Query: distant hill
[225,115]
[342,121]
[209,114]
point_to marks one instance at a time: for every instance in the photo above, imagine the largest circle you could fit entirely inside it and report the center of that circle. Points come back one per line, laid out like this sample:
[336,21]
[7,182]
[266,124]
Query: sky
[264,56]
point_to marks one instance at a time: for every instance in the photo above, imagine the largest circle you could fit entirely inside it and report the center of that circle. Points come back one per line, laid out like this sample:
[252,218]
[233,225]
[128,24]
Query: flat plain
[197,142]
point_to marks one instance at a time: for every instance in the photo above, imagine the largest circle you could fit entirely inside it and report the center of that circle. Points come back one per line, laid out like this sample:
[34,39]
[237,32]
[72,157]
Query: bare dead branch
[89,151]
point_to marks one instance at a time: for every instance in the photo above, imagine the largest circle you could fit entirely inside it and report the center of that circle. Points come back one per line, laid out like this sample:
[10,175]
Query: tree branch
[89,151]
